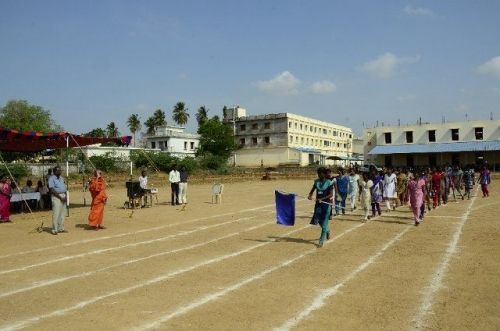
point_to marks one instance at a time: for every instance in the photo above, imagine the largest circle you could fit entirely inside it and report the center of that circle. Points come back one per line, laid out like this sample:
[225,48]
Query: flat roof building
[289,139]
[422,144]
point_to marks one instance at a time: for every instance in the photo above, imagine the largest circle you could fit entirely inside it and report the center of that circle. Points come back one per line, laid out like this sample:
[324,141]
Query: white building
[289,139]
[174,140]
[122,153]
[471,142]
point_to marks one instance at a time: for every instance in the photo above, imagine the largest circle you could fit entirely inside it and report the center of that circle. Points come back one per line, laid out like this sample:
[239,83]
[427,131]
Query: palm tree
[150,125]
[180,114]
[134,124]
[202,115]
[112,130]
[159,118]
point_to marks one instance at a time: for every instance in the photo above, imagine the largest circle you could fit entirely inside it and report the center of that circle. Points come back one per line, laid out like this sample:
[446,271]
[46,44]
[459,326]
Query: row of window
[254,141]
[255,126]
[314,129]
[431,135]
[164,145]
[317,142]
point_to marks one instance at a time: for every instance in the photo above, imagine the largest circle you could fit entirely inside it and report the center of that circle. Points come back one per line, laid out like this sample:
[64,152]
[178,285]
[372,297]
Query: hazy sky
[348,62]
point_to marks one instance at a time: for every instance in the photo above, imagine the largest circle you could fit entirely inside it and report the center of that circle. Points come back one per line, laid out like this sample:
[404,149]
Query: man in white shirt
[174,178]
[143,183]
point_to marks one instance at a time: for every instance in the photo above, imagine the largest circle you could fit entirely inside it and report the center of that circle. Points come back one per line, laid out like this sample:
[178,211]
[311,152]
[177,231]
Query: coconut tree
[134,124]
[159,118]
[112,130]
[150,125]
[202,115]
[180,114]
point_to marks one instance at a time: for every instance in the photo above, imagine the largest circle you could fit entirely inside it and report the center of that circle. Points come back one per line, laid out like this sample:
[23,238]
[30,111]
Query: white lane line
[320,300]
[115,248]
[437,279]
[85,241]
[219,294]
[53,281]
[29,321]
[441,216]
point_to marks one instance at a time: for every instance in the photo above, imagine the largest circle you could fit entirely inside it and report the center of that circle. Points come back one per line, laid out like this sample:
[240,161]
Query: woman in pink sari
[416,192]
[5,194]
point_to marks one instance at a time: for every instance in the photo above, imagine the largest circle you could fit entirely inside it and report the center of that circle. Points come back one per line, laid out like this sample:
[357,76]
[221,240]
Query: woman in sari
[5,193]
[416,192]
[97,189]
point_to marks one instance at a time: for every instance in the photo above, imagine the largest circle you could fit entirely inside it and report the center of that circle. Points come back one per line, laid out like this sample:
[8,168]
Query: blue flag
[285,208]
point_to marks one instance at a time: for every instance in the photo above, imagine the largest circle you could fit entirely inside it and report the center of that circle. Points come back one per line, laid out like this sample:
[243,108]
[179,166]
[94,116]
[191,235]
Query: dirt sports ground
[230,267]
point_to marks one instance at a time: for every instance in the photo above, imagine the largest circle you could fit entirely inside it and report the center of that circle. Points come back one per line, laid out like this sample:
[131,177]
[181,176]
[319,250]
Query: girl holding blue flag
[322,209]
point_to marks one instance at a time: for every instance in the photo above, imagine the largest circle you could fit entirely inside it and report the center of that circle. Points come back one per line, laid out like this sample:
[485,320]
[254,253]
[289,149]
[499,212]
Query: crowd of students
[419,188]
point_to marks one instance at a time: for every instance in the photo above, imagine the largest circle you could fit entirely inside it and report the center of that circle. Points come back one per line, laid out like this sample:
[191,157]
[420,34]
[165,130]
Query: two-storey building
[471,142]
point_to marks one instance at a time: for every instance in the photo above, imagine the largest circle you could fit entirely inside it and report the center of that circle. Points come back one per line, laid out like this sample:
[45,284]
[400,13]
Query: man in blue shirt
[58,193]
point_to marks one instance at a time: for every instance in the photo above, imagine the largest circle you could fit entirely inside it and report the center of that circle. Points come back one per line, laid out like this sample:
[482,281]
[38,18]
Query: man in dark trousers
[174,178]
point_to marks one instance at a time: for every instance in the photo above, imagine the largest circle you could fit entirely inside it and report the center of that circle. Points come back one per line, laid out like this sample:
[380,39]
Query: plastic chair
[217,190]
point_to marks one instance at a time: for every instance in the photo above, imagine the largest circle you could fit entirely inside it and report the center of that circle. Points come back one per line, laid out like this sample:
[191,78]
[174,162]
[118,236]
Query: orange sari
[98,191]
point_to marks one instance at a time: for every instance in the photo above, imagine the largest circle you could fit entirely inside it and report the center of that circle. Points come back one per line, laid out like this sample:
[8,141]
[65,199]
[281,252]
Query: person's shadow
[288,239]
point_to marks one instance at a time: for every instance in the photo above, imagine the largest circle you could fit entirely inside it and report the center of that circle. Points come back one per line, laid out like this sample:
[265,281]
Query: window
[242,141]
[325,131]
[432,160]
[307,141]
[254,141]
[153,144]
[302,141]
[345,145]
[311,128]
[301,127]
[350,136]
[160,145]
[291,139]
[409,137]
[326,142]
[289,125]
[479,133]
[267,125]
[255,126]
[432,136]
[338,144]
[410,162]
[334,133]
[388,138]
[295,125]
[388,160]
[297,140]
[305,127]
[267,140]
[185,145]
[165,143]
[191,145]
[454,134]
[243,127]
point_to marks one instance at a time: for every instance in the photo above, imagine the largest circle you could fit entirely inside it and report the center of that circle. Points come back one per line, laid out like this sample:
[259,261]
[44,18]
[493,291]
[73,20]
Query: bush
[190,163]
[214,162]
[18,171]
[104,162]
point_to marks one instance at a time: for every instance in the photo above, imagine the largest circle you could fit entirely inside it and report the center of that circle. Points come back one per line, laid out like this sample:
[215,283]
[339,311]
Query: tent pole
[67,156]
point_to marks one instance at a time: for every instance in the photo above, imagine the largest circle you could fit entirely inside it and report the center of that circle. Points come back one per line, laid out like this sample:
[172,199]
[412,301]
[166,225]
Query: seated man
[30,189]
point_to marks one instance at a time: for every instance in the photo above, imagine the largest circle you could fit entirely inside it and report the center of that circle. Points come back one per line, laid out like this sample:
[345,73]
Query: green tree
[202,115]
[216,139]
[180,114]
[20,115]
[134,124]
[150,125]
[97,132]
[159,118]
[112,130]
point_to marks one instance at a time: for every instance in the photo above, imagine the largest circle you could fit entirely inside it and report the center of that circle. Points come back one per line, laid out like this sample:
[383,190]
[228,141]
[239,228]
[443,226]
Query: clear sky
[348,62]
